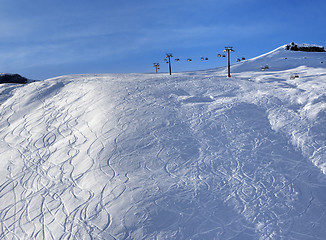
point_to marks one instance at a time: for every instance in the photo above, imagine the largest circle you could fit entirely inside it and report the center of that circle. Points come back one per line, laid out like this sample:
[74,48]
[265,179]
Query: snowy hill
[194,155]
[282,59]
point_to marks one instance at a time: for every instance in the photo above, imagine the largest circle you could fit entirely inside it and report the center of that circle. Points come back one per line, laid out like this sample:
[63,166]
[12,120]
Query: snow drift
[194,155]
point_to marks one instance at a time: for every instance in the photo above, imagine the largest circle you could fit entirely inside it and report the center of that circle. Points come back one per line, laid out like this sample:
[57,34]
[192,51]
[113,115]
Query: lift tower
[229,49]
[157,66]
[168,56]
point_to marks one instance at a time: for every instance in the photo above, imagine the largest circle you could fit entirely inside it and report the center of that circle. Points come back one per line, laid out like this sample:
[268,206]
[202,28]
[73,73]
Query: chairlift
[294,76]
[219,55]
[263,68]
[189,60]
[243,58]
[223,55]
[177,59]
[238,60]
[202,58]
[206,58]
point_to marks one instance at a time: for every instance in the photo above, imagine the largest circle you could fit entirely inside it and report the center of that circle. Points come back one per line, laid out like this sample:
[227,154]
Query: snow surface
[194,155]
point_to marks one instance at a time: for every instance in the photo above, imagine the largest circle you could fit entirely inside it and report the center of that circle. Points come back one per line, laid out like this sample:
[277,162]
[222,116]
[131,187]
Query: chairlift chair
[263,68]
[189,60]
[294,76]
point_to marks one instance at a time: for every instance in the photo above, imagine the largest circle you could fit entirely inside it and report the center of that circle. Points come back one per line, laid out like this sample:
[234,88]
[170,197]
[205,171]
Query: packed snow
[195,155]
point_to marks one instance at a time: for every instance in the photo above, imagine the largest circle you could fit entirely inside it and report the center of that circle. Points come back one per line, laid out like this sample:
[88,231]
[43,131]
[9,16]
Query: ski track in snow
[192,156]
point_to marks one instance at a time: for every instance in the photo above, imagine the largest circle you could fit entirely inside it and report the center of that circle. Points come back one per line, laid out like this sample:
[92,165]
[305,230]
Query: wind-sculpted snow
[150,156]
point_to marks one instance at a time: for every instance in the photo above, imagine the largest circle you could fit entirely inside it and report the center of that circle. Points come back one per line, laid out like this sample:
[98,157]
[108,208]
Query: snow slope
[194,155]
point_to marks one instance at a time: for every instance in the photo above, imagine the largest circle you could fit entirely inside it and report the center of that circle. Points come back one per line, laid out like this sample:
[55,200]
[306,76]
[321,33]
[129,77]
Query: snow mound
[150,156]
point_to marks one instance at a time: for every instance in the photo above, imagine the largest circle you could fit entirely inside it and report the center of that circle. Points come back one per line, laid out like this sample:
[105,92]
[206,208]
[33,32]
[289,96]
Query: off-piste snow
[195,155]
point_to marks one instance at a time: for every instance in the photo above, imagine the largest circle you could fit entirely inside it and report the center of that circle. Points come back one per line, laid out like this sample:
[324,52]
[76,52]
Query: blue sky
[40,39]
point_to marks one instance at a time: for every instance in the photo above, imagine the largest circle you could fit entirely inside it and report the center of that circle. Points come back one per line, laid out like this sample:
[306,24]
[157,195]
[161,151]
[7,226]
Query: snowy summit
[195,155]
